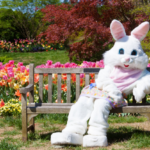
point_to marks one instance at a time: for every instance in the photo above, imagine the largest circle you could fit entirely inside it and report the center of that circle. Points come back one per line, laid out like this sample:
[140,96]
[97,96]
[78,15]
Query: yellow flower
[16,86]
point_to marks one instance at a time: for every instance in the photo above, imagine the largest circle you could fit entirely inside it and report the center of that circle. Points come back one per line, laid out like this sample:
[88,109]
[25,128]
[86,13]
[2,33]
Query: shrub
[84,27]
[4,59]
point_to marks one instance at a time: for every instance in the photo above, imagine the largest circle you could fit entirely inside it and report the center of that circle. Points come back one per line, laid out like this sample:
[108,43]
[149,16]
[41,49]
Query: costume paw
[94,141]
[116,95]
[138,94]
[60,138]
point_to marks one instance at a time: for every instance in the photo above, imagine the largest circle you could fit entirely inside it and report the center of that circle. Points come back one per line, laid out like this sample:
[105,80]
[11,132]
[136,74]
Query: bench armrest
[26,89]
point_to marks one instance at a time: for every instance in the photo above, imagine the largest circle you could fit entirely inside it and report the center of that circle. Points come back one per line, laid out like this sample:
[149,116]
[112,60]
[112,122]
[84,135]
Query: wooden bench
[32,109]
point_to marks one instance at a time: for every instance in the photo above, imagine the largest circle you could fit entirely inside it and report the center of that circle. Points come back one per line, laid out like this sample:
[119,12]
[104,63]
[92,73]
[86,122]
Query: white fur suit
[124,72]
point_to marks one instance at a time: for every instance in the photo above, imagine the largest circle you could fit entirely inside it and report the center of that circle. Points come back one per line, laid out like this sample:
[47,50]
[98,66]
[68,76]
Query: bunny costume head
[127,51]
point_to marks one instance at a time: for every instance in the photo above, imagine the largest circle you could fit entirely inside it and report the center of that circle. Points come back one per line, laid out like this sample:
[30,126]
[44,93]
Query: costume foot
[60,138]
[94,141]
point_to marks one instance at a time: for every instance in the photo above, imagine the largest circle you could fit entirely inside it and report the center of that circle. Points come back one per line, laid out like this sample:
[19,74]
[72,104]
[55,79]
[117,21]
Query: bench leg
[31,123]
[24,118]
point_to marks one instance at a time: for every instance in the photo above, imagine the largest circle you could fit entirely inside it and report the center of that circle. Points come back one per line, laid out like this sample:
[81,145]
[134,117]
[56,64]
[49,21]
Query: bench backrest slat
[59,88]
[40,88]
[68,88]
[50,87]
[59,72]
[87,79]
[96,75]
[77,86]
[31,81]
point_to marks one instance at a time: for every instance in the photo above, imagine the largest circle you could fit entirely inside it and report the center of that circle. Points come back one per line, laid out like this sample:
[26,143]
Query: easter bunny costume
[124,73]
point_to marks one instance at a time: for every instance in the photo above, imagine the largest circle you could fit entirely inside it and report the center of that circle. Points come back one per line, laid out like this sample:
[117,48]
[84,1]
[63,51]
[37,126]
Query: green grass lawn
[39,58]
[124,133]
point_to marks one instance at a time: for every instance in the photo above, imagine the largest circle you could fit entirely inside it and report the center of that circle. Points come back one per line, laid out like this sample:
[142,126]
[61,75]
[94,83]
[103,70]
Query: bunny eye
[134,52]
[121,51]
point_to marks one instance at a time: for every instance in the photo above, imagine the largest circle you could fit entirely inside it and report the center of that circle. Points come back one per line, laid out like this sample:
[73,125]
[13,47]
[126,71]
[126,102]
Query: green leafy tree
[8,29]
[144,14]
[25,17]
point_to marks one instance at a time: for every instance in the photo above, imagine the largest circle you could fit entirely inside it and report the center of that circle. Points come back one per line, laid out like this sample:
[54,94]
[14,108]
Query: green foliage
[13,121]
[127,119]
[146,44]
[5,145]
[23,4]
[11,133]
[143,13]
[38,58]
[52,118]
[22,18]
[7,93]
[8,29]
[5,59]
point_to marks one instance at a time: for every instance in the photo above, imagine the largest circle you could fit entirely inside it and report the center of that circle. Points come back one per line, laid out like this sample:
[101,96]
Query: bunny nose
[127,59]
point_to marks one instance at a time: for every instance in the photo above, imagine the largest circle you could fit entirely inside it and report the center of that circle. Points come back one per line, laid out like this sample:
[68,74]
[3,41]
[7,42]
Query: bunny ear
[117,30]
[141,31]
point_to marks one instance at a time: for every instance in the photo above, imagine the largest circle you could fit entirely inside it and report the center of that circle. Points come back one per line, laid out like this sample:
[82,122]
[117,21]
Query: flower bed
[24,45]
[14,76]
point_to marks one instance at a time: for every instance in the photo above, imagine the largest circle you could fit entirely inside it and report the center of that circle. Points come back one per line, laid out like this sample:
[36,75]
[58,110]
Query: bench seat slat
[66,109]
[70,104]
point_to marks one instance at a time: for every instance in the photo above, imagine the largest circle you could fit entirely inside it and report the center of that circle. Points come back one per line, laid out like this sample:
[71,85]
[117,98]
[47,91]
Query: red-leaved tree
[84,26]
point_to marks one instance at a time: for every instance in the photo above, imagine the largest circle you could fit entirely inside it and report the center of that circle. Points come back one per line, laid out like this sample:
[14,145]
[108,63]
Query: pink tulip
[5,77]
[148,65]
[10,74]
[49,62]
[67,65]
[81,75]
[11,62]
[22,68]
[27,69]
[20,64]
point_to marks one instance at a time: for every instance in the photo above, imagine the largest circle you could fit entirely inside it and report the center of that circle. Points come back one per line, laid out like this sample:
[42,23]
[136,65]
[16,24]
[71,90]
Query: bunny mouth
[126,65]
